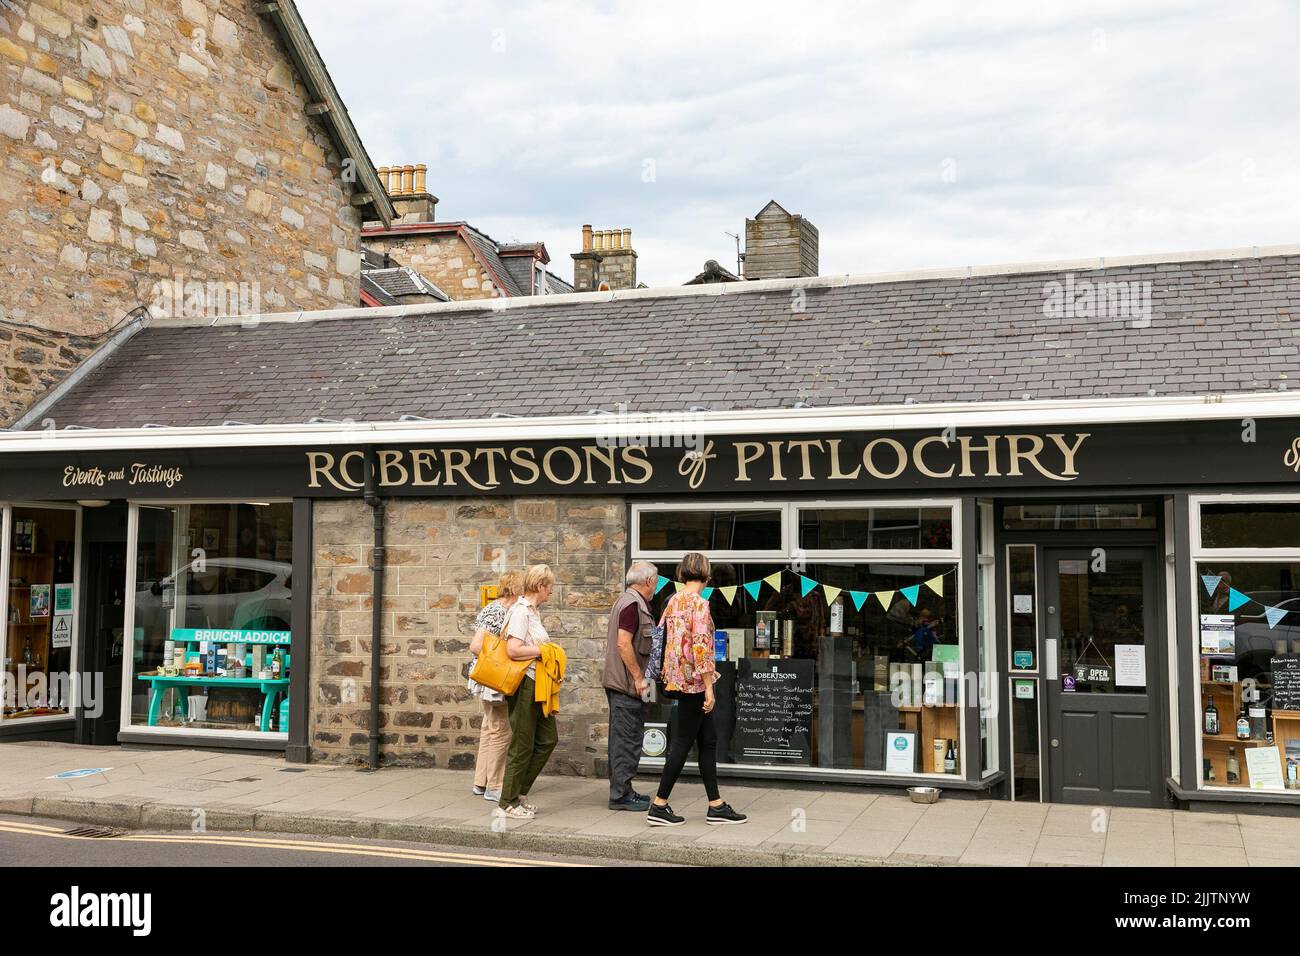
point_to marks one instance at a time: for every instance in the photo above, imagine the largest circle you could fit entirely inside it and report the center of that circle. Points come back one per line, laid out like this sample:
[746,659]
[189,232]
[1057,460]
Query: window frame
[1240,556]
[675,554]
[127,724]
[75,690]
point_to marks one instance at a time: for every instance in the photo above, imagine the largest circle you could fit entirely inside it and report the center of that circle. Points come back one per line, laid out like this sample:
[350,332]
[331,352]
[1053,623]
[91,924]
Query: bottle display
[1243,723]
[1234,769]
[1211,718]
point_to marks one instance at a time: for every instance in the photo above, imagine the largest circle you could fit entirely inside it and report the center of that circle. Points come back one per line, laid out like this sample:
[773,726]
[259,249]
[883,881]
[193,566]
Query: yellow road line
[271,843]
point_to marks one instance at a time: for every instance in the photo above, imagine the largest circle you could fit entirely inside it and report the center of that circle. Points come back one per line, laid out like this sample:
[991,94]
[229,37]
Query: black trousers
[694,726]
[626,732]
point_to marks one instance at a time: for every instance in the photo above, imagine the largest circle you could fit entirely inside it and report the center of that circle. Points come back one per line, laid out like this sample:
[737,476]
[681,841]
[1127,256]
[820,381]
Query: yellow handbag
[494,668]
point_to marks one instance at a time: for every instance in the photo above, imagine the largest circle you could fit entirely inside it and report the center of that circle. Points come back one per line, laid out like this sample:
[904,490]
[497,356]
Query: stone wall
[445,259]
[439,552]
[146,141]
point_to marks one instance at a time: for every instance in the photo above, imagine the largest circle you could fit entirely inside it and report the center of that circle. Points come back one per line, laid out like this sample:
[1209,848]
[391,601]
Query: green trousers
[533,739]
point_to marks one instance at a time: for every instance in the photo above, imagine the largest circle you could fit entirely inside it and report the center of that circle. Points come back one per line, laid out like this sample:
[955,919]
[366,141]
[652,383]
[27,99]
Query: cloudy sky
[913,135]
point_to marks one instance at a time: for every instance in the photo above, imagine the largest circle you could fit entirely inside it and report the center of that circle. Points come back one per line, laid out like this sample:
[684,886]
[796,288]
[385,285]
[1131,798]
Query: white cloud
[1119,127]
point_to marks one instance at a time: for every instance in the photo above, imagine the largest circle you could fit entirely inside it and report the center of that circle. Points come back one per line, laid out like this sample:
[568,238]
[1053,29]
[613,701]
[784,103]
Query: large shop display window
[40,611]
[1248,637]
[211,618]
[844,653]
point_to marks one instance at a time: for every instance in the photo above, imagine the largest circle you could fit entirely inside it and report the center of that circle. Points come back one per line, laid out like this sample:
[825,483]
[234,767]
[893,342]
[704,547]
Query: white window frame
[1239,555]
[75,689]
[850,556]
[128,674]
[778,554]
[987,678]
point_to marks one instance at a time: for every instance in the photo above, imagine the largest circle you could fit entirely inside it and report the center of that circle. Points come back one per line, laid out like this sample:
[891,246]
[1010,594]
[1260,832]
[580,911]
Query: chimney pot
[627,238]
[408,180]
[586,238]
[421,171]
[383,176]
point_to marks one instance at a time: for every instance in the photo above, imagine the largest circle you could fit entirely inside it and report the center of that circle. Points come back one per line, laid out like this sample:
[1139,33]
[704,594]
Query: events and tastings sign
[1187,453]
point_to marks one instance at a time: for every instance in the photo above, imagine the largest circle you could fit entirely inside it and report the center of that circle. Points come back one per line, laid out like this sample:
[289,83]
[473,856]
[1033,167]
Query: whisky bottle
[1234,770]
[950,759]
[1243,723]
[1211,719]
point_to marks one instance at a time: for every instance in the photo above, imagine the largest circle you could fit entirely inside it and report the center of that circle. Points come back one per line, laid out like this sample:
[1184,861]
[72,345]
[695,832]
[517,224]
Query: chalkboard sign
[774,707]
[1286,682]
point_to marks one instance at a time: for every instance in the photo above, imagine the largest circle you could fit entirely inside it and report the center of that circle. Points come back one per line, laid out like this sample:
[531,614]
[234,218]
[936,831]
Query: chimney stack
[407,187]
[607,260]
[779,245]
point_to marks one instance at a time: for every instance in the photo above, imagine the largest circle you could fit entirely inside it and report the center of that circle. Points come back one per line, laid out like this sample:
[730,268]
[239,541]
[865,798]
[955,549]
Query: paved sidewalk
[809,825]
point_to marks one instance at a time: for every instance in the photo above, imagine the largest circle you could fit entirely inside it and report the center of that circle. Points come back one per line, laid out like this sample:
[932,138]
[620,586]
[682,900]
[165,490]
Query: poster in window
[63,599]
[40,600]
[774,706]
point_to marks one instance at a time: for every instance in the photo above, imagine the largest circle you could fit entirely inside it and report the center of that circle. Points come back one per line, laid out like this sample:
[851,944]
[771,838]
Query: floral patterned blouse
[688,644]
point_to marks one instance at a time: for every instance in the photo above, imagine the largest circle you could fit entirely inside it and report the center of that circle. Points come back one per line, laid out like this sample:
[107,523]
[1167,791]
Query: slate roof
[400,281]
[557,286]
[1218,326]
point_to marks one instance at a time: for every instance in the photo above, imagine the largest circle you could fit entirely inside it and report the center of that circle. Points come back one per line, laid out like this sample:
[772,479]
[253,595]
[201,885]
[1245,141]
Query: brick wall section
[445,259]
[440,551]
[146,138]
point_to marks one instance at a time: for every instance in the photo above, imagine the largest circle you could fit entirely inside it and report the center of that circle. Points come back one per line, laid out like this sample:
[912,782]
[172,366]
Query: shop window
[1250,525]
[1100,516]
[872,685]
[710,531]
[212,617]
[1249,653]
[1022,605]
[39,614]
[875,529]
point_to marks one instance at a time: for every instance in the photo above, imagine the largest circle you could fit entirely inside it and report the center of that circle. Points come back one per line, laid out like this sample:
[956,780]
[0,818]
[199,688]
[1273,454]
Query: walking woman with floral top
[494,737]
[688,674]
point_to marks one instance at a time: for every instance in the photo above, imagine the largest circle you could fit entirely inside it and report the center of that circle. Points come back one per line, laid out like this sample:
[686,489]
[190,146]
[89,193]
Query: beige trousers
[493,742]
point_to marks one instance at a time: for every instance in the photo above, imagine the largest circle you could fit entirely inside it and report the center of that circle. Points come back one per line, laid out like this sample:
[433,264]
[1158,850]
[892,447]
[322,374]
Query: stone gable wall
[439,553]
[445,259]
[146,141]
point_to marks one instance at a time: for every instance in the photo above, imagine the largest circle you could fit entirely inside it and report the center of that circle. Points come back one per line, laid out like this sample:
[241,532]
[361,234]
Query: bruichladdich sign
[1182,454]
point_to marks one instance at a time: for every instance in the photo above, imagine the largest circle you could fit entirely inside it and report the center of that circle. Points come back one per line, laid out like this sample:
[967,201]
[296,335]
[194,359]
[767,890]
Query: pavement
[181,789]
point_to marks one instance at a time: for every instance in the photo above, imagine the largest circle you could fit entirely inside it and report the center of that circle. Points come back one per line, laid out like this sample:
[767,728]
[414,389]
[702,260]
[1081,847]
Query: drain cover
[94,833]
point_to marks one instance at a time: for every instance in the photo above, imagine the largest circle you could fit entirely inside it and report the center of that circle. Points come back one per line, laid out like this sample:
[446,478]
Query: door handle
[1056,742]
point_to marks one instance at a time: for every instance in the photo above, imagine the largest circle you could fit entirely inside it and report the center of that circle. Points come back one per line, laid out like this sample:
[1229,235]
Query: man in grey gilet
[626,654]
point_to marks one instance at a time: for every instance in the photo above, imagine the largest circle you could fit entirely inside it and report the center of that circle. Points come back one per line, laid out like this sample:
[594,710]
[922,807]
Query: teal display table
[271,689]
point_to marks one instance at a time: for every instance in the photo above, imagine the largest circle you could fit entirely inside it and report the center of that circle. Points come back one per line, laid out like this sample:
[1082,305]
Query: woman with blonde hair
[688,674]
[494,736]
[533,730]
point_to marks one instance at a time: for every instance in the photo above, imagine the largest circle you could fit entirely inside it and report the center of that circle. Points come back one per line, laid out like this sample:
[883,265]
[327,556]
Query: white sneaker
[517,812]
[492,796]
[478,791]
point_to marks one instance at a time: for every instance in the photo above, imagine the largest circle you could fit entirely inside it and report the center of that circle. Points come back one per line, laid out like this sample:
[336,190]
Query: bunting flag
[729,593]
[677,586]
[706,593]
[752,587]
[661,583]
[806,584]
[935,585]
[859,598]
[774,581]
[886,598]
[1211,582]
[831,593]
[911,593]
[1236,599]
[1274,614]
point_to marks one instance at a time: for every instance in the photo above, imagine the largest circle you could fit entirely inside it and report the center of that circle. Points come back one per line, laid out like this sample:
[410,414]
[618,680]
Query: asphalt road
[32,841]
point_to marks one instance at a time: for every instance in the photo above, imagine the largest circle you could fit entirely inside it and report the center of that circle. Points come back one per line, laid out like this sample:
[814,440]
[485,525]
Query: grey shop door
[1103,737]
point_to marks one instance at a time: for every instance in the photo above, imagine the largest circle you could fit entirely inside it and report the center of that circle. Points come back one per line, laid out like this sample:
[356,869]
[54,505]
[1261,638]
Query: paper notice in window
[1218,634]
[1022,604]
[1130,665]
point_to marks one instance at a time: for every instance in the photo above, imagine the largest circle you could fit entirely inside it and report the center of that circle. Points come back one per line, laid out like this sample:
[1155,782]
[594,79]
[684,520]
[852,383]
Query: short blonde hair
[510,584]
[694,567]
[538,577]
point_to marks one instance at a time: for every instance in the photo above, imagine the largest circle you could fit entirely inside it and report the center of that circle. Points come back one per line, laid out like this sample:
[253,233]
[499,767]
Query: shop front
[1095,608]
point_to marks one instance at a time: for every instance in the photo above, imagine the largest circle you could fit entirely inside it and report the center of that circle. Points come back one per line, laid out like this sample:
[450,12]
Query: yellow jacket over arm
[550,675]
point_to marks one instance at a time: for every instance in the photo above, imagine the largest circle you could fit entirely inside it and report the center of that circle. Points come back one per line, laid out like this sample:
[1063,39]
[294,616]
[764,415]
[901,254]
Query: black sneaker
[723,814]
[633,801]
[663,816]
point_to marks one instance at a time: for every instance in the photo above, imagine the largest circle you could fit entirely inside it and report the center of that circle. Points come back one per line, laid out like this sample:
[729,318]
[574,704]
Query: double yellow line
[282,843]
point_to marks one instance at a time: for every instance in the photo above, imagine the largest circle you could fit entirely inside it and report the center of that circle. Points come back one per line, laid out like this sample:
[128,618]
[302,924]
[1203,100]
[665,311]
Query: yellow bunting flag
[729,593]
[831,593]
[886,598]
[677,586]
[936,585]
[774,580]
